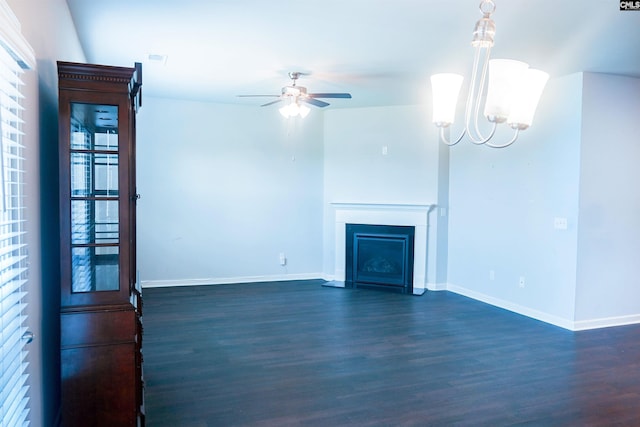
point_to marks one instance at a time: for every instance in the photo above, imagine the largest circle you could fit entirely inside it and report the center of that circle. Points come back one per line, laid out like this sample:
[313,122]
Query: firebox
[379,257]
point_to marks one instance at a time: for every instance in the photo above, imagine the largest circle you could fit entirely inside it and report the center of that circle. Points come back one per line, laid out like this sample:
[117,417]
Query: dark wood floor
[298,354]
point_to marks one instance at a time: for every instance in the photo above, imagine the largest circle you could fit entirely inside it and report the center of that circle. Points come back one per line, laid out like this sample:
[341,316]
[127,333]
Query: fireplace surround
[415,215]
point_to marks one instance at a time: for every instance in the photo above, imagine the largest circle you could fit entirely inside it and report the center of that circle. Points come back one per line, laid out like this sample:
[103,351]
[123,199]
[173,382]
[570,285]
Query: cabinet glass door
[94,198]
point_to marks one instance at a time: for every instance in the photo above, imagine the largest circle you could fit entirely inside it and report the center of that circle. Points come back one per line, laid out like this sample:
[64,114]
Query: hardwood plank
[298,354]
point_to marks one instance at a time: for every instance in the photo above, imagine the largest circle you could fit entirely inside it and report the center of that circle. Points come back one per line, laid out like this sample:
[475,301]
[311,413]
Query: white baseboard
[516,308]
[606,322]
[571,325]
[229,280]
[437,286]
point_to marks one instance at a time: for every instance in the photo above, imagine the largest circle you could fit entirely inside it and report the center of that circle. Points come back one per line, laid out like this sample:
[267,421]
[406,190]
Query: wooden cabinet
[101,302]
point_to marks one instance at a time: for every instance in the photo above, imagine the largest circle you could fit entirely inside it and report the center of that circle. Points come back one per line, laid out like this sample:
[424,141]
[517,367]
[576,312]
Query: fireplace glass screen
[380,256]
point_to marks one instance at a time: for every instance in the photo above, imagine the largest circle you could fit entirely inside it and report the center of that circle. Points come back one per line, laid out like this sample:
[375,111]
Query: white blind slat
[10,86]
[13,286]
[18,411]
[9,102]
[9,117]
[10,74]
[10,275]
[8,61]
[15,368]
[12,170]
[14,222]
[11,347]
[8,248]
[10,141]
[10,305]
[11,134]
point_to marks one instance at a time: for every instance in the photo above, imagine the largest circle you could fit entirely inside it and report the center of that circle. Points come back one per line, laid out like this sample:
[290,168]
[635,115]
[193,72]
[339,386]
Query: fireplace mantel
[384,206]
[416,215]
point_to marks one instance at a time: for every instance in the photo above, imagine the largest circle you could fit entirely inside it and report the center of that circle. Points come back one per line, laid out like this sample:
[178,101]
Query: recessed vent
[157,58]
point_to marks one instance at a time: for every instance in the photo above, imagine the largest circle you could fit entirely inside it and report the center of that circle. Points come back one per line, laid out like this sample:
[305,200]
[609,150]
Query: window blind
[14,389]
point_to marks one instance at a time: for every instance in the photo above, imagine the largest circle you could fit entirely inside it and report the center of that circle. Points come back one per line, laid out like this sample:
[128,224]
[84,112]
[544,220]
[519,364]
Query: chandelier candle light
[512,95]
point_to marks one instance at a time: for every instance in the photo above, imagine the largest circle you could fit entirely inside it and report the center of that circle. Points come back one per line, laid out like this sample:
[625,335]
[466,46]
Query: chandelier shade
[446,88]
[526,96]
[504,77]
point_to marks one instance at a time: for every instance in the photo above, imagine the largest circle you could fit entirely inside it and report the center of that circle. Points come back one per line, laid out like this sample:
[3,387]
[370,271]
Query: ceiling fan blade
[315,102]
[330,95]
[271,103]
[256,96]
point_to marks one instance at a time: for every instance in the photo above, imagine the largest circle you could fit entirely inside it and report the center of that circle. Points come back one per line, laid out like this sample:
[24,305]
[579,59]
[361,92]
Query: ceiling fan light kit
[512,93]
[294,109]
[296,96]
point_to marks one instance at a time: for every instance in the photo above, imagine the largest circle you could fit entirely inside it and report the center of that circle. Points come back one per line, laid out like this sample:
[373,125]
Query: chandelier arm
[471,92]
[485,67]
[515,136]
[478,138]
[484,140]
[445,141]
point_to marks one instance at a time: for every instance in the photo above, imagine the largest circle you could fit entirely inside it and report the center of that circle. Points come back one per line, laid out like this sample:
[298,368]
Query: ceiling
[381,51]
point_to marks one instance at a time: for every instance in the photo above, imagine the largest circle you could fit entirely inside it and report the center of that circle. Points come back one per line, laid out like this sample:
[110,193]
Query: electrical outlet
[560,223]
[283,259]
[521,283]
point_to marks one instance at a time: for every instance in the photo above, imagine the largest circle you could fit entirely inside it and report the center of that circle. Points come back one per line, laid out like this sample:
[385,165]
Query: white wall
[48,27]
[219,206]
[225,189]
[502,208]
[579,162]
[357,171]
[609,235]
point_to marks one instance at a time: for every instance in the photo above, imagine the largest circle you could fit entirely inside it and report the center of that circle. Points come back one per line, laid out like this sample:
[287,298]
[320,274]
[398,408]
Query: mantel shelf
[384,206]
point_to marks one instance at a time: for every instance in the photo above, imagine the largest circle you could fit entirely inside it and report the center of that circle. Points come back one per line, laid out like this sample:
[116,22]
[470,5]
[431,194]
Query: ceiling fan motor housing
[294,91]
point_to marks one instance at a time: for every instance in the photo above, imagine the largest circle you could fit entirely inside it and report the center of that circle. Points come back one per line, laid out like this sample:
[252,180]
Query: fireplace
[412,215]
[379,257]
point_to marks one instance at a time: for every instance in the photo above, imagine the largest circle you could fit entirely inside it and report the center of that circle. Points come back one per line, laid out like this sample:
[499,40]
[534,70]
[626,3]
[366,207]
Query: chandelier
[512,93]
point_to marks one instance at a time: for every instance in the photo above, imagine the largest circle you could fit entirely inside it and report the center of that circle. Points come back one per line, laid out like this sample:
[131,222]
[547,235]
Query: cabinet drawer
[85,328]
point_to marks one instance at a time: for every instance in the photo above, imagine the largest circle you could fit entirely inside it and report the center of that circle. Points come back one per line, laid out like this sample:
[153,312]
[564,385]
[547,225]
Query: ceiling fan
[294,95]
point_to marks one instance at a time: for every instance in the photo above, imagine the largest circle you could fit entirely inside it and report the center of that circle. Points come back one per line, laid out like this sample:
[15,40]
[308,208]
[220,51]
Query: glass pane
[380,260]
[94,127]
[94,175]
[95,269]
[94,221]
